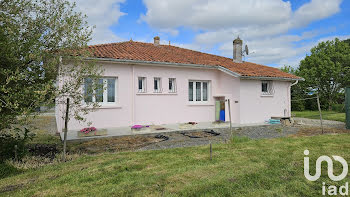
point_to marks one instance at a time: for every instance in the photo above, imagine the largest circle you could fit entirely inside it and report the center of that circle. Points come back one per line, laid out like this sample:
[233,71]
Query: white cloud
[214,14]
[263,25]
[102,15]
[315,10]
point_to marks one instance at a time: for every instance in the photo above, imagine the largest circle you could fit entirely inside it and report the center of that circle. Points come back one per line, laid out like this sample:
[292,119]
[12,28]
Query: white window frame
[105,92]
[173,88]
[159,81]
[270,90]
[144,85]
[195,91]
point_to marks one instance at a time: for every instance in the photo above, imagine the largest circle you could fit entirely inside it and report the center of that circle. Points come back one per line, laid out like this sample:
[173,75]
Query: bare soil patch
[9,188]
[311,131]
[113,144]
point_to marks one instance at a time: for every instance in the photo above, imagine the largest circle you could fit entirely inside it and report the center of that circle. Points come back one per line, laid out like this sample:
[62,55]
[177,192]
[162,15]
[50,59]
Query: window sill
[110,107]
[266,95]
[200,104]
[115,106]
[156,93]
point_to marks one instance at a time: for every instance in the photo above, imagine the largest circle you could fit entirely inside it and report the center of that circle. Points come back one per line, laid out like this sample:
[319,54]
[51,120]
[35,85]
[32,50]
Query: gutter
[221,68]
[133,96]
[273,78]
[295,83]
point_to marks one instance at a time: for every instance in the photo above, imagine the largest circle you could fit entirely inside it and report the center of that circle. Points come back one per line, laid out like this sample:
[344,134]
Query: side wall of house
[256,108]
[159,108]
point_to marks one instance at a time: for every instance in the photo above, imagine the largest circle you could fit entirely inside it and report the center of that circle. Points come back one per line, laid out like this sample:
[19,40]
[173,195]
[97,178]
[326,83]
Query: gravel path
[176,139]
[317,123]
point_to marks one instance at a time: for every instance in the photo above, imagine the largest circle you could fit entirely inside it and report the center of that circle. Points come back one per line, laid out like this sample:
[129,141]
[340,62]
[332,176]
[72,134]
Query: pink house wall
[257,108]
[165,108]
[247,106]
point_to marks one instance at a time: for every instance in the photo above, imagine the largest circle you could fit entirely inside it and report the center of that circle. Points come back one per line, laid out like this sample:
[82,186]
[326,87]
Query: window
[267,88]
[142,84]
[88,90]
[99,91]
[198,91]
[172,85]
[157,85]
[105,90]
[110,90]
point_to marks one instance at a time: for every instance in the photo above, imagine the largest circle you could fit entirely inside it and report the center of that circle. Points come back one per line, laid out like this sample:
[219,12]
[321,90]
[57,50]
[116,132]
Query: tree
[36,37]
[347,41]
[327,70]
[298,91]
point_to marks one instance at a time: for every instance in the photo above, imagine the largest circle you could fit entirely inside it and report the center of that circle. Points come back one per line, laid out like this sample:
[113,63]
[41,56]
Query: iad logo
[332,190]
[330,167]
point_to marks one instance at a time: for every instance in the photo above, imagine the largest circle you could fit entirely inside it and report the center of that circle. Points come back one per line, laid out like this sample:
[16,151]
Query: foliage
[327,70]
[298,91]
[347,41]
[42,44]
[339,107]
[11,138]
[34,36]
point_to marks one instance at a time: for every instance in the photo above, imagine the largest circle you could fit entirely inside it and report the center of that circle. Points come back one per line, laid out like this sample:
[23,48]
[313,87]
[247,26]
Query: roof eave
[149,62]
[272,78]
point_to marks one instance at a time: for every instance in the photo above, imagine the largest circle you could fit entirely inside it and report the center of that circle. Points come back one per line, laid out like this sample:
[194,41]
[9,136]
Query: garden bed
[121,143]
[100,132]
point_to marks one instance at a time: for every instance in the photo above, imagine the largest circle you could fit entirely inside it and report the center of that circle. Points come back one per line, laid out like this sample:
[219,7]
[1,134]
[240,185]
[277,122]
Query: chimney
[237,50]
[156,40]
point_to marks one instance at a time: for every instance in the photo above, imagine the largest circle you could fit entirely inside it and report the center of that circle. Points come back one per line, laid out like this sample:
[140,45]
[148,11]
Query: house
[150,83]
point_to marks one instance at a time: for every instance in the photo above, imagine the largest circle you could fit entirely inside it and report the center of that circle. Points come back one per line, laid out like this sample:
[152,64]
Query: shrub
[338,108]
[9,139]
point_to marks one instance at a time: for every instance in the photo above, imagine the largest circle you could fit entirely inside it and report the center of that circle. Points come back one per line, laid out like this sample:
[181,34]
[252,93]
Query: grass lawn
[326,115]
[270,167]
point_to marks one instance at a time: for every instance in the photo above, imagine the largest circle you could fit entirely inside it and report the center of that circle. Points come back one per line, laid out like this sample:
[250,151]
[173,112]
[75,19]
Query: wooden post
[229,113]
[347,107]
[319,109]
[211,152]
[16,148]
[65,131]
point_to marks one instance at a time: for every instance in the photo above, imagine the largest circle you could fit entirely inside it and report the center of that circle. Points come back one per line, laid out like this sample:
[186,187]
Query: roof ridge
[148,43]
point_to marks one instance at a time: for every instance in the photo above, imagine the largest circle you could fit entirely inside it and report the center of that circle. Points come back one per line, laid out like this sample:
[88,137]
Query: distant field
[243,167]
[326,115]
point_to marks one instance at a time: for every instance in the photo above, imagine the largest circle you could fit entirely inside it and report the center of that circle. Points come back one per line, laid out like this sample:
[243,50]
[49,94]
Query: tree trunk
[65,131]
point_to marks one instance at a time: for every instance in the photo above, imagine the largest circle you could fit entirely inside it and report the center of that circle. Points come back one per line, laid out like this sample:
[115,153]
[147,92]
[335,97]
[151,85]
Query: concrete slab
[153,129]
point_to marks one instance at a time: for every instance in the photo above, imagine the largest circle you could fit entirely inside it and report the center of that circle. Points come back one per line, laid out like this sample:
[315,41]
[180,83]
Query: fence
[319,108]
[347,107]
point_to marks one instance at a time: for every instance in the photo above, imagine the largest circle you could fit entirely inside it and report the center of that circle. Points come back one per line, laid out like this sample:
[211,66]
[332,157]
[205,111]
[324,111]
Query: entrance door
[220,109]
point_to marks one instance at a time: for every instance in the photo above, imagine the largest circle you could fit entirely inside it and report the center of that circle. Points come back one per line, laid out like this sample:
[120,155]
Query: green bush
[9,139]
[338,108]
[298,106]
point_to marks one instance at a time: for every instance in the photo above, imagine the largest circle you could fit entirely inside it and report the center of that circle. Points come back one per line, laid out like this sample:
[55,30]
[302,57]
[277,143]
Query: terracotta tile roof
[132,50]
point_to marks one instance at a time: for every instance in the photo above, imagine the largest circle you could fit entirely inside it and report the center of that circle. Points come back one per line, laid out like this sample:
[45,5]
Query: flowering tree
[39,40]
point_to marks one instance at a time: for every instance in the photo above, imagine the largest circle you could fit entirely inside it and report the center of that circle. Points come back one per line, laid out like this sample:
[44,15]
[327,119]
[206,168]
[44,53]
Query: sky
[277,32]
